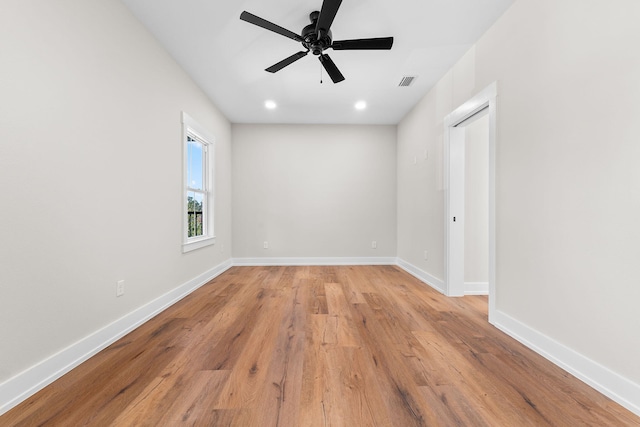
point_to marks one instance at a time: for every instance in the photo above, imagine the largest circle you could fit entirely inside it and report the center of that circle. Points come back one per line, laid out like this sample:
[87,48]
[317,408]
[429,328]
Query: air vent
[407,81]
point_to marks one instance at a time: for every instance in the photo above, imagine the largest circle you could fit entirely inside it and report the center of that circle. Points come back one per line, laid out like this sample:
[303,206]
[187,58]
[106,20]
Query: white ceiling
[226,56]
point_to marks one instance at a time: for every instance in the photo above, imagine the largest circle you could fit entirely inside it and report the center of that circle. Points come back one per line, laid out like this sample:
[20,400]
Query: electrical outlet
[426,255]
[265,245]
[120,288]
[221,247]
[374,245]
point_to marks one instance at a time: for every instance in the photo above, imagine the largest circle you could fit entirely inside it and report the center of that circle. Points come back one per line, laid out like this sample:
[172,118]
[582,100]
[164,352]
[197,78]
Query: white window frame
[192,128]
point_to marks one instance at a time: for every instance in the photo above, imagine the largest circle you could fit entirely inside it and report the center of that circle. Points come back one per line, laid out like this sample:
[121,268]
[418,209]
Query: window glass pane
[195,162]
[195,220]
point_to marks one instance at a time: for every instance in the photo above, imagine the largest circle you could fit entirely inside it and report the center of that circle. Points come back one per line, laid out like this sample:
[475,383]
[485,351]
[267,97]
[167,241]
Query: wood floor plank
[338,308]
[192,406]
[280,392]
[318,346]
[401,393]
[317,301]
[451,407]
[354,390]
[250,369]
[316,400]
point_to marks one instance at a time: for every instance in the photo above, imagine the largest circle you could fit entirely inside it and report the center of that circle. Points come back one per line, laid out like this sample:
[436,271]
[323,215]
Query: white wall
[568,182]
[420,180]
[314,191]
[90,168]
[476,201]
[568,178]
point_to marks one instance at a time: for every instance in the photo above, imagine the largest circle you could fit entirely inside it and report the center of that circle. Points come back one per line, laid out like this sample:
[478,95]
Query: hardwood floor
[319,346]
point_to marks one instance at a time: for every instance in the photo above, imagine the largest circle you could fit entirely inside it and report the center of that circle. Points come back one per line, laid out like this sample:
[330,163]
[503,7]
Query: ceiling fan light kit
[317,37]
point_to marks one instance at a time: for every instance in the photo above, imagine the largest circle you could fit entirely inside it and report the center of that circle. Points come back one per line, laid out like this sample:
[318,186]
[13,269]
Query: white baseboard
[476,288]
[607,382]
[422,275]
[20,387]
[256,262]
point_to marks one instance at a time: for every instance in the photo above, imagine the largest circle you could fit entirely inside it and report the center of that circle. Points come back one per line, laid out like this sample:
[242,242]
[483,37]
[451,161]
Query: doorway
[459,130]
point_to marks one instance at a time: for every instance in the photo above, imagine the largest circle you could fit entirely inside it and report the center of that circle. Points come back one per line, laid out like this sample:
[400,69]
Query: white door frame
[454,194]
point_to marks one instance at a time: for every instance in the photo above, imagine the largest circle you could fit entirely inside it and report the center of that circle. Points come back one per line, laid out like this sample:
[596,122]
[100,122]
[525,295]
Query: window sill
[197,244]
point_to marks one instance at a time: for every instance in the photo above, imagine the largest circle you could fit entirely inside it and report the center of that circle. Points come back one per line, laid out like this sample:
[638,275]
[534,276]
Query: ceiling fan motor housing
[315,42]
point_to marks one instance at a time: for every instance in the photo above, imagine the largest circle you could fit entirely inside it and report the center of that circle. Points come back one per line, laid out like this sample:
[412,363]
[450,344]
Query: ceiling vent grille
[407,81]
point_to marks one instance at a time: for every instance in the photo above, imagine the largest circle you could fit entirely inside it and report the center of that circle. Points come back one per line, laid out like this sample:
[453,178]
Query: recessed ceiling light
[270,105]
[361,105]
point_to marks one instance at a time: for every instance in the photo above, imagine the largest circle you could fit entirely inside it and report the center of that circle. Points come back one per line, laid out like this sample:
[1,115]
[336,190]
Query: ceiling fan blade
[327,14]
[256,20]
[288,61]
[331,68]
[381,43]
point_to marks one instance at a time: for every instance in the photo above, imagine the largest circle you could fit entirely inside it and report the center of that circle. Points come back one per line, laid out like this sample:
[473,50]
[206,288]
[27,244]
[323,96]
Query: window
[198,200]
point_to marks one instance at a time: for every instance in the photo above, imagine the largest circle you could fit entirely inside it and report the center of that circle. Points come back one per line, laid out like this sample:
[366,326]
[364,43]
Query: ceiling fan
[316,38]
